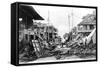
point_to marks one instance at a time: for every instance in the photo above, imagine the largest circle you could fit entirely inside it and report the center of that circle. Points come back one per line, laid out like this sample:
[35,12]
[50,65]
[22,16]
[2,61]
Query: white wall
[5,33]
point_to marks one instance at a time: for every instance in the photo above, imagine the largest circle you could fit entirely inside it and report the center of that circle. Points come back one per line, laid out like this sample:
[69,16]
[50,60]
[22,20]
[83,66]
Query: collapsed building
[34,36]
[85,41]
[37,39]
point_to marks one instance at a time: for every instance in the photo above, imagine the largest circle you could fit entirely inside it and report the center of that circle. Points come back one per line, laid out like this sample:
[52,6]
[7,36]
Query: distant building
[87,25]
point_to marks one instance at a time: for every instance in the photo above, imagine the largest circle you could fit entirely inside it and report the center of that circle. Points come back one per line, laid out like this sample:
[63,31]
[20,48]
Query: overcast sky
[58,16]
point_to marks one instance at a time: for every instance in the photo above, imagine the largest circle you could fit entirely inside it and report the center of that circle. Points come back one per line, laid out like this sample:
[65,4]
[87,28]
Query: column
[88,27]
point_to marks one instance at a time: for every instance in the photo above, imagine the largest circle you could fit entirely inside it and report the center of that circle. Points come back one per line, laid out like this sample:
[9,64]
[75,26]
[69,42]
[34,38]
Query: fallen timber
[83,47]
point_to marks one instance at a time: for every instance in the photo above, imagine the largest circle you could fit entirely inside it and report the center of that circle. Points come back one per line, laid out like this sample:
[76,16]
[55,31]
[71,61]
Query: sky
[62,18]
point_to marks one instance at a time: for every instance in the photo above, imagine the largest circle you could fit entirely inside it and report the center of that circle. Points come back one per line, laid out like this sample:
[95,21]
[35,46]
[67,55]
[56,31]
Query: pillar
[88,27]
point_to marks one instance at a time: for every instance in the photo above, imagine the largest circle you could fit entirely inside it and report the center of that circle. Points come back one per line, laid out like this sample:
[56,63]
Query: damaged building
[34,36]
[87,25]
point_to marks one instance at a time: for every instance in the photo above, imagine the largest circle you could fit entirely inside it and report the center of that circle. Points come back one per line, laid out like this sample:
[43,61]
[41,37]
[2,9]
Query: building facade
[87,25]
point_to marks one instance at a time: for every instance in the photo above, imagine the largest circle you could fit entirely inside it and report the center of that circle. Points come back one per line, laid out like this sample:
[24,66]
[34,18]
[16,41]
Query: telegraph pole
[69,21]
[72,18]
[48,25]
[48,17]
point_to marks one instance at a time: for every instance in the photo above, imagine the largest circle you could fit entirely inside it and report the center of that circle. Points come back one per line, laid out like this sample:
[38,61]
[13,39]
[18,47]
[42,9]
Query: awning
[29,11]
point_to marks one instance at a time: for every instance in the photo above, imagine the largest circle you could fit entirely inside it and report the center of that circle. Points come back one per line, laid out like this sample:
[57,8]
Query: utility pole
[69,21]
[72,18]
[48,17]
[48,26]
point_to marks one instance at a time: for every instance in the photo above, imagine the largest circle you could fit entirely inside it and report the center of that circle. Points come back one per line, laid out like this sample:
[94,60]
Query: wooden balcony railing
[84,30]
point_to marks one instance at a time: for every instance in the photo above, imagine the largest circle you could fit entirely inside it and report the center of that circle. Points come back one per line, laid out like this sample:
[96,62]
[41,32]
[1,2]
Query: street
[53,59]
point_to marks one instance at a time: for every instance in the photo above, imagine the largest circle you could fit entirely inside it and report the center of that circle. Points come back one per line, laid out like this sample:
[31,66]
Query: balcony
[83,31]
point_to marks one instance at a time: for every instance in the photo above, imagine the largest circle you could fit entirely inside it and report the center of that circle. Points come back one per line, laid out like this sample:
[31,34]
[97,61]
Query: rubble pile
[84,46]
[38,39]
